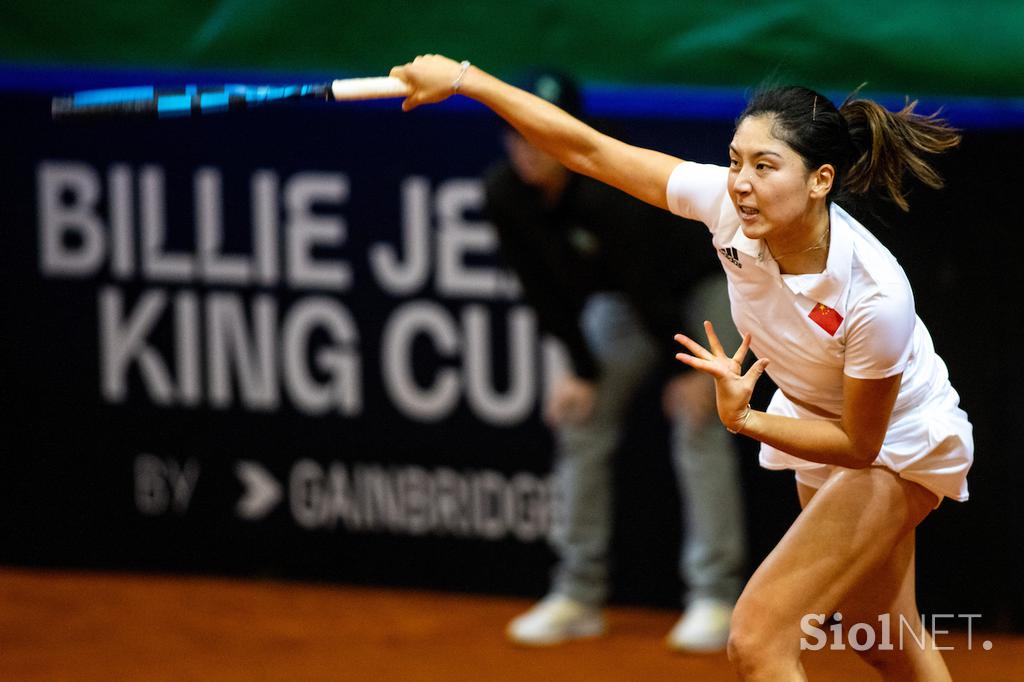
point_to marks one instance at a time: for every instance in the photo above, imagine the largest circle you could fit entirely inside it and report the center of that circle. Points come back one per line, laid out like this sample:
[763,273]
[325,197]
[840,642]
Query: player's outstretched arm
[641,172]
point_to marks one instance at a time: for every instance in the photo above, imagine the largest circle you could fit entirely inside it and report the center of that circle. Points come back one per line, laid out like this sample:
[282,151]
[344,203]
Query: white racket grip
[368,88]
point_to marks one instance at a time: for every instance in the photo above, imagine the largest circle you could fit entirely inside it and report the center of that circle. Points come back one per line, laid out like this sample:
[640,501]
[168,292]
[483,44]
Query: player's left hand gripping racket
[161,102]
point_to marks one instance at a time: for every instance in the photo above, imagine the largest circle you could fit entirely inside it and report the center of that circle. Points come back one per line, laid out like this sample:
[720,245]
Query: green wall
[919,47]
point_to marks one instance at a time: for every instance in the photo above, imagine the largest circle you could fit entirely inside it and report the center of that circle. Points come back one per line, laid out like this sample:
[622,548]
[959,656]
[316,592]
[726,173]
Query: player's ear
[821,181]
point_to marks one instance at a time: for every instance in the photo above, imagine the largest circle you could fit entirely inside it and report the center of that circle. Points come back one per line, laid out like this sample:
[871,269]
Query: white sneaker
[555,619]
[704,627]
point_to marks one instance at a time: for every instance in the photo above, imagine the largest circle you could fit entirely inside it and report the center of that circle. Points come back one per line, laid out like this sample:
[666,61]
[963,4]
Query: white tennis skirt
[931,444]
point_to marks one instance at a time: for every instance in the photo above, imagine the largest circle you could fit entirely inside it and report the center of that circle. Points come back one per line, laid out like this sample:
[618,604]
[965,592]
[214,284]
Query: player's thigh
[847,531]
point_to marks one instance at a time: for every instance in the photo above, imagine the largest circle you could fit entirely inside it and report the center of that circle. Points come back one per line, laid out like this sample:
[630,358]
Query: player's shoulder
[688,175]
[879,289]
[873,264]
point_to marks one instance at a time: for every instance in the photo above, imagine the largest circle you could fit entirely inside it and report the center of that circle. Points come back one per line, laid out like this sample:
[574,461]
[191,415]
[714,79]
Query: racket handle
[368,88]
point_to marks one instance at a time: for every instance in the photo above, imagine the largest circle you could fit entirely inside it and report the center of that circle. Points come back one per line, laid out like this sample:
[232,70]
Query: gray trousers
[712,556]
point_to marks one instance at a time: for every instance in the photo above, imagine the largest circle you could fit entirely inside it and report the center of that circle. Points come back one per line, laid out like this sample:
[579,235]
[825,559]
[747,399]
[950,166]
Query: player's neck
[806,254]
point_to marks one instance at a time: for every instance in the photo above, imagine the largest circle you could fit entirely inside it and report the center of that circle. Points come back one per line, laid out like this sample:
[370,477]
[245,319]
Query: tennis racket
[162,102]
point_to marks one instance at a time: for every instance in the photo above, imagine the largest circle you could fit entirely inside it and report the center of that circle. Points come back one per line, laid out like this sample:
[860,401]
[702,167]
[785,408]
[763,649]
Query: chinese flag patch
[826,318]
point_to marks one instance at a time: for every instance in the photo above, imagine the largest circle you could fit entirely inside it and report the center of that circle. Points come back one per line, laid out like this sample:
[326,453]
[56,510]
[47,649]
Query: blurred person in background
[614,279]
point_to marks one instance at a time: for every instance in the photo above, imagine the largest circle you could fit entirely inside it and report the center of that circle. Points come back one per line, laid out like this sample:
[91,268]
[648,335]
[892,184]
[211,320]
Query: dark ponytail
[890,145]
[872,149]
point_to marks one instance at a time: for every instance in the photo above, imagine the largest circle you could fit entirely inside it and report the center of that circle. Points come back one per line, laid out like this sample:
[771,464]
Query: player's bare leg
[890,591]
[846,533]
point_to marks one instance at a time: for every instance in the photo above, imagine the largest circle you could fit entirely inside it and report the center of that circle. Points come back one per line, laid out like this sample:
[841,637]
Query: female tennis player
[864,414]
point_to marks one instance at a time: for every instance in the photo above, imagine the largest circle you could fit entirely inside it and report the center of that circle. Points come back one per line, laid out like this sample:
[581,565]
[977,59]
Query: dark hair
[871,148]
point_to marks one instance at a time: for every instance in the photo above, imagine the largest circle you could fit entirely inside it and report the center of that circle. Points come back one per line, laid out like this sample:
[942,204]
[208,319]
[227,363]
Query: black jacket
[597,239]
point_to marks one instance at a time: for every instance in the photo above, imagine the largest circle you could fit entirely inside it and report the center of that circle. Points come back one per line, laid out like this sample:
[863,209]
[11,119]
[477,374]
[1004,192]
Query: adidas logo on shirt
[732,255]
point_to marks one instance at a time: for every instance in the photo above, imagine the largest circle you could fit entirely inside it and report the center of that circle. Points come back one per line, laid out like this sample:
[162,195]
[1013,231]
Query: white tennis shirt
[856,317]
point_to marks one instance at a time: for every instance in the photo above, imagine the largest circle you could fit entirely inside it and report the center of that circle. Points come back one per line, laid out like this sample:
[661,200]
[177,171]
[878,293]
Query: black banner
[286,325]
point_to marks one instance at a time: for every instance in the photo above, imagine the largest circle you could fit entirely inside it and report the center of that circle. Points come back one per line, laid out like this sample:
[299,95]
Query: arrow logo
[262,491]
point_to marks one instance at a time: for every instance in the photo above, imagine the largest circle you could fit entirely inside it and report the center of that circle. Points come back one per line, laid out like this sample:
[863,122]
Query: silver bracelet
[457,83]
[742,421]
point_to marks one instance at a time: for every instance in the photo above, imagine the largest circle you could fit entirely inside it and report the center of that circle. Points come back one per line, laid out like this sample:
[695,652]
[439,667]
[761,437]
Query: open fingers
[706,366]
[694,347]
[713,343]
[755,372]
[741,352]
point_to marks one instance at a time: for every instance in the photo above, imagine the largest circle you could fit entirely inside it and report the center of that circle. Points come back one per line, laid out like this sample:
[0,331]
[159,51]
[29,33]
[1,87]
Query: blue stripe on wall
[675,102]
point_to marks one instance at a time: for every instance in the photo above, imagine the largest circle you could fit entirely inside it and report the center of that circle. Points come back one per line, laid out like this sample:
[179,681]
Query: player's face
[769,184]
[533,166]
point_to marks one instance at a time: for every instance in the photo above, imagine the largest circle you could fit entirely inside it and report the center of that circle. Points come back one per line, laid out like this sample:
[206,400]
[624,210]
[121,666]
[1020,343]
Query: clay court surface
[92,626]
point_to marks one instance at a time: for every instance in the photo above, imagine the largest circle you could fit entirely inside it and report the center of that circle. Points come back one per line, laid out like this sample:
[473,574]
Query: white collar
[823,287]
[741,242]
[828,286]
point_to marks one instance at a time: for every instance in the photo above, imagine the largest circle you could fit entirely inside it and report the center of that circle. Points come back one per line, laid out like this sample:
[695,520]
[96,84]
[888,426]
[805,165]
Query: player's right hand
[431,78]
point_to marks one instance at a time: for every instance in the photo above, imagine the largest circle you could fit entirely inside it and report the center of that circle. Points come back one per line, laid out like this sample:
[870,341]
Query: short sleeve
[696,191]
[880,335]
